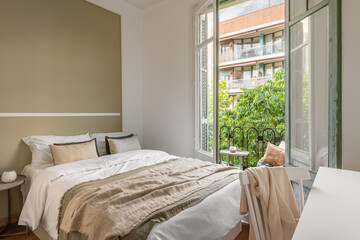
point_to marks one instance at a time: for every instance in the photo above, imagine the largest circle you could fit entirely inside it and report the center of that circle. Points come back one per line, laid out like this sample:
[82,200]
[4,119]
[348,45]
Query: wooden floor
[244,235]
[15,229]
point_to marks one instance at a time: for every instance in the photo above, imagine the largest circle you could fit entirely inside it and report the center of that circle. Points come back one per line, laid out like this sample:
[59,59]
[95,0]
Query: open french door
[206,81]
[313,83]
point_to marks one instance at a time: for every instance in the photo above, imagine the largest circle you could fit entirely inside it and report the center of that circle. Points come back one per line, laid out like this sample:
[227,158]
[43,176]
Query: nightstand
[8,186]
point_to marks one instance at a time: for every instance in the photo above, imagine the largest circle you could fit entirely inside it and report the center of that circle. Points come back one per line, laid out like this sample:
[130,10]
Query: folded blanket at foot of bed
[127,205]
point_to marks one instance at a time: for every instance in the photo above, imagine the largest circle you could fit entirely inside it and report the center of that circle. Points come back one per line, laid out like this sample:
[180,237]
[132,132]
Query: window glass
[202,27]
[256,42]
[247,43]
[314,2]
[278,65]
[238,73]
[309,91]
[205,85]
[268,39]
[225,48]
[206,24]
[225,75]
[268,70]
[299,33]
[278,34]
[279,43]
[297,7]
[255,71]
[268,44]
[246,72]
[237,49]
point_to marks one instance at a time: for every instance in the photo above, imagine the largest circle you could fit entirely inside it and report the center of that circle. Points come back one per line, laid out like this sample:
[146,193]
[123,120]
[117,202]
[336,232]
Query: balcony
[278,47]
[252,139]
[246,83]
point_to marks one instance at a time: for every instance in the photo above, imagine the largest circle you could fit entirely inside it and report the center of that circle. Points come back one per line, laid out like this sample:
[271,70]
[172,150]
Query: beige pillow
[119,145]
[71,152]
[274,155]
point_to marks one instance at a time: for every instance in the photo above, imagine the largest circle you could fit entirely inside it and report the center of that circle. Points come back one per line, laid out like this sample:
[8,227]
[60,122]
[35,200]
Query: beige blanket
[272,186]
[113,207]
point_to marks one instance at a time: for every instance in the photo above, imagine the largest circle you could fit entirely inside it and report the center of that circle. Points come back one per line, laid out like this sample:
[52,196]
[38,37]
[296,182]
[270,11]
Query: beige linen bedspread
[125,204]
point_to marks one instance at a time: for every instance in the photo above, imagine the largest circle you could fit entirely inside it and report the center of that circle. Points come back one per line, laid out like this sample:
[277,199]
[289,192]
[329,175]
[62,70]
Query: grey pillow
[122,144]
[100,140]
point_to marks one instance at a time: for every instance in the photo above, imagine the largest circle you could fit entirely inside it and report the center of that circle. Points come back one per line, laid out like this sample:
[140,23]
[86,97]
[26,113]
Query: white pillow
[39,146]
[124,144]
[100,140]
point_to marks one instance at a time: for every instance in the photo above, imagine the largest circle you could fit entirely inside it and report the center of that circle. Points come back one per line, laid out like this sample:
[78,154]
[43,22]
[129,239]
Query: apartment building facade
[252,48]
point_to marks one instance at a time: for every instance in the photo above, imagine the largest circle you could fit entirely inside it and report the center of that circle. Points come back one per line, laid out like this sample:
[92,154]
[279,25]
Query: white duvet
[212,218]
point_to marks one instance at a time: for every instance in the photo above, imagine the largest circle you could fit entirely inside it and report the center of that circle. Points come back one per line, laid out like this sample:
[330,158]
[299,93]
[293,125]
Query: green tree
[262,106]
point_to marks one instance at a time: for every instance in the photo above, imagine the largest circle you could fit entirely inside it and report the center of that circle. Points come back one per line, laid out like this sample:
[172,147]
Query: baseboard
[14,219]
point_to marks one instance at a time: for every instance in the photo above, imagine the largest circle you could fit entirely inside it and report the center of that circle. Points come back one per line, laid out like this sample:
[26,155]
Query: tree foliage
[262,106]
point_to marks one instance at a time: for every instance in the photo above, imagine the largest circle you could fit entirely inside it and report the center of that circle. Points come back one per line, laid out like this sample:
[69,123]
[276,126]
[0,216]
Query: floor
[15,229]
[244,235]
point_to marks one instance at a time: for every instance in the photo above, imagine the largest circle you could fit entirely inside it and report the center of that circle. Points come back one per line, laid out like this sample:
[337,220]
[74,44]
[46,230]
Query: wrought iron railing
[252,139]
[247,83]
[278,47]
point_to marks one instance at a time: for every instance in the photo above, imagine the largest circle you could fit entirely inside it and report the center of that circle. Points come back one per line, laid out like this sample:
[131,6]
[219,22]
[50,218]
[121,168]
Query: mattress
[212,218]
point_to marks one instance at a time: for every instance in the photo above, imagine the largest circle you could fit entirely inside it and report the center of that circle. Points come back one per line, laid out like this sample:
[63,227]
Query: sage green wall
[55,57]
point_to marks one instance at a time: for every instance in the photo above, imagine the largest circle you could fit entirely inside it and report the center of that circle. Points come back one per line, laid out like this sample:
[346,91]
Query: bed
[215,217]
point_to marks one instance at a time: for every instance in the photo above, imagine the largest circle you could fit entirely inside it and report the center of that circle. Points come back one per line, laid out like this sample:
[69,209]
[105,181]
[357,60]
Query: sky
[246,7]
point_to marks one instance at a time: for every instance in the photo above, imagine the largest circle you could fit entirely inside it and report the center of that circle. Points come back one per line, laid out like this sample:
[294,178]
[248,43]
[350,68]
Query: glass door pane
[206,29]
[309,91]
[314,2]
[297,7]
[206,98]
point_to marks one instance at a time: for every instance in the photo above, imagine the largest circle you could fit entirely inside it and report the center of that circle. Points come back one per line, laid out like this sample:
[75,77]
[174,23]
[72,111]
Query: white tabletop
[332,211]
[238,153]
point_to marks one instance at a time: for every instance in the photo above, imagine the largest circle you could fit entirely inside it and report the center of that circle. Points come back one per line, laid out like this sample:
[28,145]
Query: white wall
[168,100]
[132,62]
[158,99]
[351,84]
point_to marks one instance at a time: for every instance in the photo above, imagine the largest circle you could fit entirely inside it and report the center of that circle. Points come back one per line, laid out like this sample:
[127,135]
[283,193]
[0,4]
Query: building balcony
[237,85]
[255,52]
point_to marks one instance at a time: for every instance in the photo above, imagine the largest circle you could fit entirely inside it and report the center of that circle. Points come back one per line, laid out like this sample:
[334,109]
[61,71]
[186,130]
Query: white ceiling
[142,4]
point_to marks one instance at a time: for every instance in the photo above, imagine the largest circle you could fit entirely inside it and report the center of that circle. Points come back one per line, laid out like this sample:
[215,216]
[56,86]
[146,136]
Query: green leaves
[262,106]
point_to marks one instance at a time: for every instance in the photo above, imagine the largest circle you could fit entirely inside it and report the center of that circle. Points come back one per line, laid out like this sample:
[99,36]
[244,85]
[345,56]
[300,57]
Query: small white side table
[8,186]
[238,153]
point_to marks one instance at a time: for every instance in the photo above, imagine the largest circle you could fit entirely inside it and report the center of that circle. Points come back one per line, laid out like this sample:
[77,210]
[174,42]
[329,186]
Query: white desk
[332,211]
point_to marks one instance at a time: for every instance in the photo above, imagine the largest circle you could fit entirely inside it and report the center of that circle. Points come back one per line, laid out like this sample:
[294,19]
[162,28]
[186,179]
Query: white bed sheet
[212,218]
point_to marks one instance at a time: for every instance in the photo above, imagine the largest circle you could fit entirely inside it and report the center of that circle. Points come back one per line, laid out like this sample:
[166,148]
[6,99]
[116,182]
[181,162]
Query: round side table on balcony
[238,153]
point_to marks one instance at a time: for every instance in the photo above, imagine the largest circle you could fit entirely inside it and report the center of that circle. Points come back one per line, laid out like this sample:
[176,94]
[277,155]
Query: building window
[225,48]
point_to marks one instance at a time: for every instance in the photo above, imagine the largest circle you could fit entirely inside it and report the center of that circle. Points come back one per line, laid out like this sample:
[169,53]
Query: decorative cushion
[39,146]
[71,152]
[122,144]
[101,142]
[274,155]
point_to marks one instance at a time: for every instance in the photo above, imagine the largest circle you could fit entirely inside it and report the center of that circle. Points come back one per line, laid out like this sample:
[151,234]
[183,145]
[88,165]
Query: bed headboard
[60,74]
